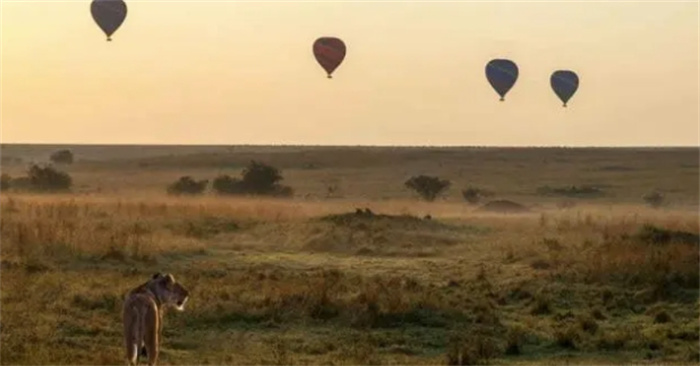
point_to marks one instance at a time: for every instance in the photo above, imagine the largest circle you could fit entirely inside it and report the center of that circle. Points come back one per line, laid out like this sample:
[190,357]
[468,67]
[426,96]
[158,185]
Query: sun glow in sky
[200,72]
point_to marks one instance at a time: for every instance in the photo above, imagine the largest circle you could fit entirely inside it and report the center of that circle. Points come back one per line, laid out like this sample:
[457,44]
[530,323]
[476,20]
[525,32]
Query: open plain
[592,275]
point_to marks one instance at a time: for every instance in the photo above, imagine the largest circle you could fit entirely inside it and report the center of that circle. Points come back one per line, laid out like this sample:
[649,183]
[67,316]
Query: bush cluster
[38,179]
[187,185]
[256,179]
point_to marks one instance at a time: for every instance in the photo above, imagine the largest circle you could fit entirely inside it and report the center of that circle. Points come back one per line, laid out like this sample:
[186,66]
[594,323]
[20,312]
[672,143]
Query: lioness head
[169,291]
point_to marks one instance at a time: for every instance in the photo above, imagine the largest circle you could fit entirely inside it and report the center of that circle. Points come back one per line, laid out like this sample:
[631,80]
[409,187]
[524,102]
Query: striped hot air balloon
[330,53]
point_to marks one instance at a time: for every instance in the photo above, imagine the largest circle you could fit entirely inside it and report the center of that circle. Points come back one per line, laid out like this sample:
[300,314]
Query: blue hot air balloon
[564,83]
[501,74]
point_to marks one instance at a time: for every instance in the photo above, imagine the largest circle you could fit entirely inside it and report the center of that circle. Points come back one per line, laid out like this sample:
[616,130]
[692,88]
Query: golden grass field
[304,280]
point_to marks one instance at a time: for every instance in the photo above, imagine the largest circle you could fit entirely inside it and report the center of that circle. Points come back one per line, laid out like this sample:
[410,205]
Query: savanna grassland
[583,276]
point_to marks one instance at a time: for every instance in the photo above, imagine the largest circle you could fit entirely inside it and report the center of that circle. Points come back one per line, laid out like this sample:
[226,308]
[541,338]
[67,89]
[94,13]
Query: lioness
[143,314]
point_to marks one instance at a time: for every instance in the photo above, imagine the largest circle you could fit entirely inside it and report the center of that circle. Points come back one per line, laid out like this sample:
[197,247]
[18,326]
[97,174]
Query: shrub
[48,178]
[187,185]
[654,199]
[224,184]
[427,187]
[5,182]
[474,195]
[258,179]
[62,157]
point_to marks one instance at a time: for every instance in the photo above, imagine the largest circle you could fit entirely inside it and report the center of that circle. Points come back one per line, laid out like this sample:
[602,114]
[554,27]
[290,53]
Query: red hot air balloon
[329,52]
[109,15]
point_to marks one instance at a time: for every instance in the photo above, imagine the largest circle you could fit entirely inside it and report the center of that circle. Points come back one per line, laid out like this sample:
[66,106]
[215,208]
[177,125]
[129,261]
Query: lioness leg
[144,352]
[151,338]
[131,338]
[152,347]
[131,354]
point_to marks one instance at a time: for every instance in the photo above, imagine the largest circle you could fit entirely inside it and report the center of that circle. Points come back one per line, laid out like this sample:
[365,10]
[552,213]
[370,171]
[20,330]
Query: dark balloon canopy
[109,15]
[501,74]
[329,52]
[564,83]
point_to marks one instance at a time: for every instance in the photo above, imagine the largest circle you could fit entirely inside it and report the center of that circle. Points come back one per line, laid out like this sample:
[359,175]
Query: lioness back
[141,324]
[142,314]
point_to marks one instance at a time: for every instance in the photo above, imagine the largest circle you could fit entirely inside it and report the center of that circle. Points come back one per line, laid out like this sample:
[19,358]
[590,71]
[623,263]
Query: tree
[187,185]
[260,178]
[427,187]
[47,178]
[257,179]
[62,157]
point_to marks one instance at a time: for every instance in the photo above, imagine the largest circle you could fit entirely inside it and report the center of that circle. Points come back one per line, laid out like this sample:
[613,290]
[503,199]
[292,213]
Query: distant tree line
[264,180]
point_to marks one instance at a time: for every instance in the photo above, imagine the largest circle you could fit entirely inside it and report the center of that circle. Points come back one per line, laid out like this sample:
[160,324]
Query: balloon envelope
[108,14]
[329,52]
[564,83]
[501,74]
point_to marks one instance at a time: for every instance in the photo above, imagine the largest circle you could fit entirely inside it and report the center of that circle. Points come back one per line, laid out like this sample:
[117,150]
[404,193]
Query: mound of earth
[366,233]
[504,206]
[366,215]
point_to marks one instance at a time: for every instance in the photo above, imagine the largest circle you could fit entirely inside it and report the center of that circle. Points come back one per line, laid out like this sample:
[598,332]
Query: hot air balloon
[108,14]
[329,52]
[501,74]
[564,83]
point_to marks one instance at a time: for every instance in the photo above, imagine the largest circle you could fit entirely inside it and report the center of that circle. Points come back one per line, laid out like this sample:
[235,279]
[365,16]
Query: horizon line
[351,145]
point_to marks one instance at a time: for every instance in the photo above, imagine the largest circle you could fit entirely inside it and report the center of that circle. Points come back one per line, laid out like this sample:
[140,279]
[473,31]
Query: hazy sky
[196,72]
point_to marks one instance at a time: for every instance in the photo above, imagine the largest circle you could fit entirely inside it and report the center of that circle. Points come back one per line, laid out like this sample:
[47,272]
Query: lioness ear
[156,276]
[169,279]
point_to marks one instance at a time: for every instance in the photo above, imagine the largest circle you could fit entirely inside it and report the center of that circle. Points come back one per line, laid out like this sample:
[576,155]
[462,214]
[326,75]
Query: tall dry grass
[527,284]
